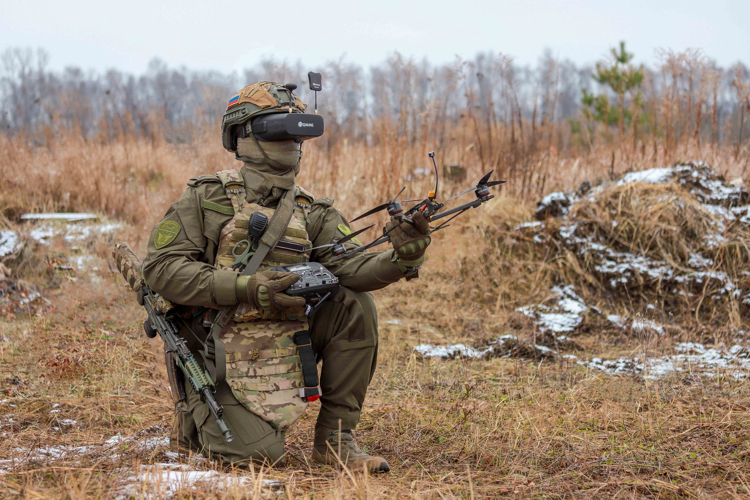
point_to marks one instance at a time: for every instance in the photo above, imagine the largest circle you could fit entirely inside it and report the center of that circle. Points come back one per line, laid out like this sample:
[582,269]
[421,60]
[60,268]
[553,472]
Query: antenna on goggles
[316,85]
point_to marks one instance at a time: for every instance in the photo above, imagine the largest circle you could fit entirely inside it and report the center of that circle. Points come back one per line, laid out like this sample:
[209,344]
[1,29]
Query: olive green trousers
[345,336]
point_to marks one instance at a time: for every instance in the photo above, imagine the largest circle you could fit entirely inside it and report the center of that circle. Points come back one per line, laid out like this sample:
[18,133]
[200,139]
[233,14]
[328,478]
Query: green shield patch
[166,233]
[347,231]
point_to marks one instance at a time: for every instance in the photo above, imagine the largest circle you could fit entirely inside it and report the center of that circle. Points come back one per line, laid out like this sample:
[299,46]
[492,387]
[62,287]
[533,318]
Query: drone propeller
[393,206]
[343,240]
[480,187]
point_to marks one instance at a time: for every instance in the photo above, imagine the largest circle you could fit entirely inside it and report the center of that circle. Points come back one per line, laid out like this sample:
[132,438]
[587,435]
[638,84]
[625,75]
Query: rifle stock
[159,309]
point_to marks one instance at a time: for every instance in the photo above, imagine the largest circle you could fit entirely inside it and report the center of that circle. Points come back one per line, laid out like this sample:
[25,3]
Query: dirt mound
[673,238]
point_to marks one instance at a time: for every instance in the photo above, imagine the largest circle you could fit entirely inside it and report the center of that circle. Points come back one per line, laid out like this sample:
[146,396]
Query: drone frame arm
[357,250]
[461,208]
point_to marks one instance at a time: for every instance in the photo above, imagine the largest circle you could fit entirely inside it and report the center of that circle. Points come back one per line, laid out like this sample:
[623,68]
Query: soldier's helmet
[252,101]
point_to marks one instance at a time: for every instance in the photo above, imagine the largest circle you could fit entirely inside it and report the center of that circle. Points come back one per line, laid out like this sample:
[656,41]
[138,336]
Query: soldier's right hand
[264,291]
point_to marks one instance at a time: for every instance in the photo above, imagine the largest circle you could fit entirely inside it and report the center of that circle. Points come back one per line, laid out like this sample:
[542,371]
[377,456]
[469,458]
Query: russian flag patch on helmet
[234,100]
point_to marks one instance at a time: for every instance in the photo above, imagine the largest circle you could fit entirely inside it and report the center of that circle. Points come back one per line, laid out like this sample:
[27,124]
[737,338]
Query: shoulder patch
[202,179]
[300,192]
[166,233]
[326,202]
[210,205]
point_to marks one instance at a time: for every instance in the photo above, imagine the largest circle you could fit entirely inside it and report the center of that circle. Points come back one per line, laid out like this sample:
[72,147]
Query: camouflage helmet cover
[254,100]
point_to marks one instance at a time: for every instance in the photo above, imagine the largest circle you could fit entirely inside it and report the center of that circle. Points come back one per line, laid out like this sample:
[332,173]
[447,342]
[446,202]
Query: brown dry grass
[451,429]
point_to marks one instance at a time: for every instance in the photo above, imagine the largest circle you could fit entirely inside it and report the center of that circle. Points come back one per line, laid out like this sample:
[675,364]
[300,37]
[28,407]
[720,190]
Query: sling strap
[311,391]
[271,236]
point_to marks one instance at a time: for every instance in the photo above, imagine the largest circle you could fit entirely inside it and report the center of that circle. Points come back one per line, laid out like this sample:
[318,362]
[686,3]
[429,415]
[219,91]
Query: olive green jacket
[183,270]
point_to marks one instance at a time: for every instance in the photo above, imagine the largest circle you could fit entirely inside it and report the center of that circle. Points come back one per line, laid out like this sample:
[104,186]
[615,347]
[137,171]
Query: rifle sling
[216,361]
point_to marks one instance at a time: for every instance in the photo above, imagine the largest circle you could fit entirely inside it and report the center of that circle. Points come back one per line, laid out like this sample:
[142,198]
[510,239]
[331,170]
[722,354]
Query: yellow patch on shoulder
[347,231]
[166,233]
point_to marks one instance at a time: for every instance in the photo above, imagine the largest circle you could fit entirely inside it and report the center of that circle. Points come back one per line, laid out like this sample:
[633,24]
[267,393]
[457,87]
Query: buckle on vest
[310,393]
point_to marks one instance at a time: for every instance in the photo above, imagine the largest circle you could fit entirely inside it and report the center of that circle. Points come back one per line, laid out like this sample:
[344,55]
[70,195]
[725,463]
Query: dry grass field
[601,352]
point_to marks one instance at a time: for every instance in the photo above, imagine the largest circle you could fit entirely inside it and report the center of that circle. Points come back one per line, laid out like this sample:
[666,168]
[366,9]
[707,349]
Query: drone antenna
[432,155]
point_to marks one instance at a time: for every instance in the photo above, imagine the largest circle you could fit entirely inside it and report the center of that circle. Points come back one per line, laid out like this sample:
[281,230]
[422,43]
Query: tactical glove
[264,291]
[409,239]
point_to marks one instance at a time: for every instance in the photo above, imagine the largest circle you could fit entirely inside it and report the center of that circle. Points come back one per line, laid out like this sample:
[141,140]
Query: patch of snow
[690,357]
[554,197]
[643,324]
[504,346]
[108,449]
[699,262]
[32,296]
[527,225]
[568,231]
[564,316]
[395,322]
[164,480]
[450,351]
[651,176]
[70,217]
[71,233]
[556,204]
[617,320]
[8,242]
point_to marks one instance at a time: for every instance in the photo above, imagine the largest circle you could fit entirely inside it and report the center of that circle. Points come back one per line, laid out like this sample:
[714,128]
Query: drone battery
[287,126]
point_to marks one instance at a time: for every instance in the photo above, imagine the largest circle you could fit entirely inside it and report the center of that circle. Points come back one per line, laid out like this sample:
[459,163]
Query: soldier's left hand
[265,291]
[410,239]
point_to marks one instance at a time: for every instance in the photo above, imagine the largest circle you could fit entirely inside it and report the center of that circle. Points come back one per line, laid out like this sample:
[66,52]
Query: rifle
[159,322]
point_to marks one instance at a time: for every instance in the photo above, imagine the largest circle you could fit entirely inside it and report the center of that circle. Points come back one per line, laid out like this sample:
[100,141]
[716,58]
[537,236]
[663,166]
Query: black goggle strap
[311,391]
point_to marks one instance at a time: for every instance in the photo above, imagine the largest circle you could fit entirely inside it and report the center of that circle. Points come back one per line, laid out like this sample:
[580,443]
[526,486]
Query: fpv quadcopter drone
[431,209]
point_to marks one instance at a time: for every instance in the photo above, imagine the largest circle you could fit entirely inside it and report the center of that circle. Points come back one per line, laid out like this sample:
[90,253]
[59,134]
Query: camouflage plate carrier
[263,364]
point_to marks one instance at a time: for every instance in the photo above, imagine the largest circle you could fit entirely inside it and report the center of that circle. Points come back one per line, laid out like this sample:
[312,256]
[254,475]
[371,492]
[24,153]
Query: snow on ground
[174,472]
[164,480]
[71,233]
[116,447]
[451,351]
[8,242]
[506,346]
[650,176]
[690,358]
[66,216]
[564,316]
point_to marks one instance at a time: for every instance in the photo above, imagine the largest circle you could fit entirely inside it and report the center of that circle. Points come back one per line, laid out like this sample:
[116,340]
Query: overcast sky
[228,36]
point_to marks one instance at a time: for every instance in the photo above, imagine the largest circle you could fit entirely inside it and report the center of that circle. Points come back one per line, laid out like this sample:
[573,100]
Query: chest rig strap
[271,236]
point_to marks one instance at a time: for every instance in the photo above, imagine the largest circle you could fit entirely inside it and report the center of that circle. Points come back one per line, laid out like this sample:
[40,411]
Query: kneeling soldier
[195,255]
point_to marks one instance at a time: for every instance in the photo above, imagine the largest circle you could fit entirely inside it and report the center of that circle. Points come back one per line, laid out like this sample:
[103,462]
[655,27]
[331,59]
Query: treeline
[490,103]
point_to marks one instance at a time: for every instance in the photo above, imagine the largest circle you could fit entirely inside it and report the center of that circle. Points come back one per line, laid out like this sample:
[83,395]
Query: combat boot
[326,448]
